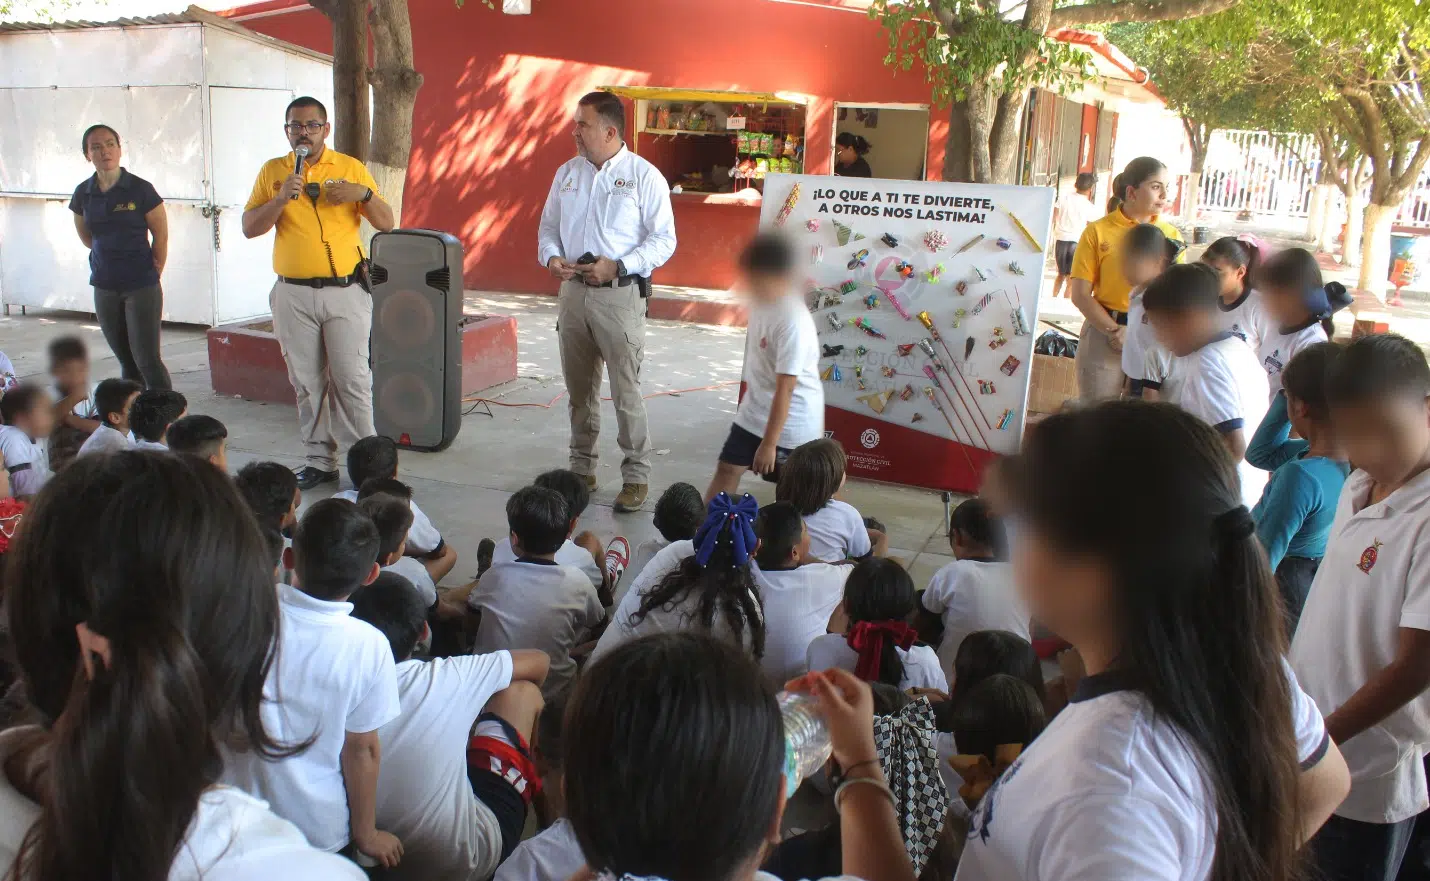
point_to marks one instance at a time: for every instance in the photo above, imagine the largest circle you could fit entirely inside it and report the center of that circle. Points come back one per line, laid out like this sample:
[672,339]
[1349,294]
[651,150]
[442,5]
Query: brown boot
[631,498]
[590,481]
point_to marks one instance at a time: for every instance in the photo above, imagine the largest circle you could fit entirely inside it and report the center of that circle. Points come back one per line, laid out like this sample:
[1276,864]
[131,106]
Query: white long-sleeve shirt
[620,210]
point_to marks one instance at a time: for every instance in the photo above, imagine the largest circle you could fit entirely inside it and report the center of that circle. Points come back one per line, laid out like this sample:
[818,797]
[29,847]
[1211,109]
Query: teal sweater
[1294,516]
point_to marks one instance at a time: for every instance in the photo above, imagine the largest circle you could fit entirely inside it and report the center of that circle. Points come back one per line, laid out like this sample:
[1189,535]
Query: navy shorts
[1063,254]
[504,778]
[741,446]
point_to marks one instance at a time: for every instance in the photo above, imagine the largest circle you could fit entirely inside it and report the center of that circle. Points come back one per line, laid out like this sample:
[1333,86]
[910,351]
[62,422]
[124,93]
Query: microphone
[301,151]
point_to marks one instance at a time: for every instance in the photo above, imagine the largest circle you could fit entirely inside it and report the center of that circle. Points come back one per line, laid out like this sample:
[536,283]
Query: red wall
[493,118]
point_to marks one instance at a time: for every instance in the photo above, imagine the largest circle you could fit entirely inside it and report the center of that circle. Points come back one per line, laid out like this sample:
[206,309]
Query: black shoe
[485,549]
[309,477]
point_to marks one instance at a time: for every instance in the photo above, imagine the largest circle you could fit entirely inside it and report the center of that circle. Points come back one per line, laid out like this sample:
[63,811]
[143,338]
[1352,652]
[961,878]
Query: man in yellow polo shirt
[322,313]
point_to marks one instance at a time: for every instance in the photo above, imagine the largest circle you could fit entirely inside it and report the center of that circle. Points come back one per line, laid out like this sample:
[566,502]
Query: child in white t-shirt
[783,403]
[1222,384]
[580,551]
[73,399]
[976,591]
[678,514]
[870,635]
[1146,253]
[392,514]
[994,721]
[810,479]
[152,413]
[200,435]
[458,800]
[1240,309]
[798,597]
[271,490]
[376,457]
[28,421]
[534,602]
[112,400]
[1071,215]
[1299,309]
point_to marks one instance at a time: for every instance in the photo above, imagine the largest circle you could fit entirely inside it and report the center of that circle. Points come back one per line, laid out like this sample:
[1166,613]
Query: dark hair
[779,528]
[1084,182]
[393,517]
[268,487]
[1238,253]
[679,512]
[394,607]
[609,108]
[334,547]
[1377,366]
[1000,710]
[976,522]
[537,516]
[198,434]
[1148,240]
[768,253]
[185,598]
[1184,287]
[111,395]
[571,486]
[373,456]
[985,653]
[305,101]
[64,349]
[879,589]
[1134,175]
[1199,617]
[660,719]
[1295,269]
[273,539]
[21,400]
[97,127]
[550,729]
[154,411]
[848,139]
[812,474]
[390,486]
[1304,377]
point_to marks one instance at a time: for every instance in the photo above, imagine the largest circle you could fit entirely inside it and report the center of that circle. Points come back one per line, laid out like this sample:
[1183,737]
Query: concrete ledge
[245,360]
[697,306]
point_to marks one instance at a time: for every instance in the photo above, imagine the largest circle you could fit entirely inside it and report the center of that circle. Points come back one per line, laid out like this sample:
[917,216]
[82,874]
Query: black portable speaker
[416,342]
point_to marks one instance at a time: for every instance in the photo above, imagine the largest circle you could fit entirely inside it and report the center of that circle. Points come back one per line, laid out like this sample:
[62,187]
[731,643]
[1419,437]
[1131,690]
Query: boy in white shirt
[391,510]
[678,514]
[152,413]
[28,421]
[783,405]
[112,400]
[376,457]
[1146,253]
[1222,383]
[1362,647]
[798,596]
[581,551]
[534,602]
[1071,215]
[332,682]
[457,799]
[271,490]
[202,436]
[73,398]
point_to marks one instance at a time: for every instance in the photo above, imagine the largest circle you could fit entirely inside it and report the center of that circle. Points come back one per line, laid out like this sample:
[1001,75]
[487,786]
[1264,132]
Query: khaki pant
[1099,366]
[324,335]
[599,326]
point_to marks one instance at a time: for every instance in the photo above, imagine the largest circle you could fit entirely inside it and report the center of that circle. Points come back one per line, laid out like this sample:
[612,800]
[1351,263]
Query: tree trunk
[1331,221]
[1005,136]
[1320,194]
[350,101]
[982,108]
[1355,220]
[958,154]
[1198,137]
[394,85]
[1375,250]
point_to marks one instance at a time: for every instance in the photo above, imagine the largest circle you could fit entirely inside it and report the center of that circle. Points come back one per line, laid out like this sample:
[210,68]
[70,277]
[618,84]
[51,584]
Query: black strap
[340,282]
[16,469]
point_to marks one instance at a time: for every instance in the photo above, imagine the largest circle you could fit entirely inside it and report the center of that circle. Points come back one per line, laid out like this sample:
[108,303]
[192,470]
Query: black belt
[1119,317]
[624,281]
[330,282]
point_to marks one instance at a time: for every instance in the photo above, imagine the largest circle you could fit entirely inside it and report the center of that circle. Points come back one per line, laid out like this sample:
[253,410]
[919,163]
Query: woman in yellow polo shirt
[1098,287]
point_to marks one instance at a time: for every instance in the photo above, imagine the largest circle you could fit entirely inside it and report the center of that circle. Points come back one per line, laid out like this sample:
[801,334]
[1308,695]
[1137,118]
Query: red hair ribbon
[868,637]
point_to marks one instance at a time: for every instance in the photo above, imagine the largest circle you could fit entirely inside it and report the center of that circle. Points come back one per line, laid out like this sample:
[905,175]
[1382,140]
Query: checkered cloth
[906,744]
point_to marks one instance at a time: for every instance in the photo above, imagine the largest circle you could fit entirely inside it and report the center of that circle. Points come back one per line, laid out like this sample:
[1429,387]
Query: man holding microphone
[606,226]
[317,197]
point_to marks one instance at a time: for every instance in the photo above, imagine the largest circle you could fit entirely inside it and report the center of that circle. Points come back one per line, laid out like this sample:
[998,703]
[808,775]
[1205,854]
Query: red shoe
[618,557]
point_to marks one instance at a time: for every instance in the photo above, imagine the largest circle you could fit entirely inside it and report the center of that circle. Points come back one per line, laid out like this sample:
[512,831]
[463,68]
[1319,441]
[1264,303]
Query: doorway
[898,136]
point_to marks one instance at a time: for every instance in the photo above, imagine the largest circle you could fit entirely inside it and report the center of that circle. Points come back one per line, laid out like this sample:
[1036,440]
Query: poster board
[885,256]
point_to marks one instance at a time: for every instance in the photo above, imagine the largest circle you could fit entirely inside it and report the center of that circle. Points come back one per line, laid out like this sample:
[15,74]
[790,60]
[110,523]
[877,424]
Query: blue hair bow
[1326,301]
[738,518]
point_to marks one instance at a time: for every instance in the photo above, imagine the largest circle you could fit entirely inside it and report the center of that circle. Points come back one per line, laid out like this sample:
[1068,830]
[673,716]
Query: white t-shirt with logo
[782,341]
[25,460]
[922,668]
[974,595]
[1246,319]
[1075,211]
[333,674]
[569,554]
[1110,790]
[104,439]
[554,855]
[422,536]
[1225,386]
[1277,350]
[1373,581]
[837,532]
[423,795]
[798,603]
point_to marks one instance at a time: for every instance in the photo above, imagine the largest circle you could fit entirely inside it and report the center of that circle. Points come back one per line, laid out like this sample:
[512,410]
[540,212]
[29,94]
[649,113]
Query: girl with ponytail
[1299,308]
[143,650]
[876,642]
[1189,751]
[1237,263]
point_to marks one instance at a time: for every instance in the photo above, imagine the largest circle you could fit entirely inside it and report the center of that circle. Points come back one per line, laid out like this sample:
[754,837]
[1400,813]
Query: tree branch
[1134,11]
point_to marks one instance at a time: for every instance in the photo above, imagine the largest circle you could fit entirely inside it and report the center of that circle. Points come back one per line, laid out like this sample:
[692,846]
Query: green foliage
[34,10]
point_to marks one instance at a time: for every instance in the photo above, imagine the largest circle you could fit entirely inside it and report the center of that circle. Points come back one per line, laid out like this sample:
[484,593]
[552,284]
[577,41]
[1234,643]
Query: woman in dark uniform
[849,150]
[121,219]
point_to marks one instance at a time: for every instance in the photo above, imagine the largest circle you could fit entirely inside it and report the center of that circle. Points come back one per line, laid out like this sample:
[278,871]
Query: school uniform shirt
[781,340]
[1139,337]
[423,796]
[837,532]
[1245,318]
[922,668]
[640,558]
[1225,387]
[1075,211]
[412,569]
[974,595]
[232,836]
[333,674]
[153,446]
[104,439]
[569,554]
[620,211]
[798,603]
[1109,790]
[1373,581]
[85,408]
[121,257]
[1277,349]
[536,604]
[25,461]
[553,855]
[422,537]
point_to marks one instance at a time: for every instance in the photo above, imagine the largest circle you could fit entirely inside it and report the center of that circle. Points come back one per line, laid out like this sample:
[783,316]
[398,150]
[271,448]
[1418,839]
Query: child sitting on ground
[974,592]
[74,414]
[798,596]
[870,634]
[1146,253]
[678,513]
[1299,309]
[333,680]
[534,602]
[272,493]
[151,415]
[1222,383]
[993,723]
[554,854]
[28,420]
[810,479]
[1294,515]
[457,775]
[112,400]
[376,456]
[390,508]
[584,552]
[202,436]
[1236,260]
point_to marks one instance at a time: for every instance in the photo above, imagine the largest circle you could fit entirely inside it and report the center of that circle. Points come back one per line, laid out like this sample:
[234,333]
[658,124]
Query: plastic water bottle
[807,746]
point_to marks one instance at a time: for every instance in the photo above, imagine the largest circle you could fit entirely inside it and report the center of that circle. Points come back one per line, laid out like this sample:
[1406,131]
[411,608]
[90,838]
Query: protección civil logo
[870,438]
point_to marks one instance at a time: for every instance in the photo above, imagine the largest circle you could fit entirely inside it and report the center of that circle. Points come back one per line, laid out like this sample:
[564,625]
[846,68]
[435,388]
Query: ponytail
[878,598]
[1114,201]
[1336,298]
[1296,272]
[1243,252]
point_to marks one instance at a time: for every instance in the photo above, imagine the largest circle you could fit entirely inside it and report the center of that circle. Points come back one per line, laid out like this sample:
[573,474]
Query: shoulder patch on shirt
[569,186]
[1369,556]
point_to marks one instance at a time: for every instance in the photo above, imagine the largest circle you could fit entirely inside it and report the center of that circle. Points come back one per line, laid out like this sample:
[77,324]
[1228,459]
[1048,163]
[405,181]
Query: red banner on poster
[893,453]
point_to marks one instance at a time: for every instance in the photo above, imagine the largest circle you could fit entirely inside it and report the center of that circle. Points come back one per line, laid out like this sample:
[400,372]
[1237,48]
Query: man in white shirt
[606,226]
[1073,212]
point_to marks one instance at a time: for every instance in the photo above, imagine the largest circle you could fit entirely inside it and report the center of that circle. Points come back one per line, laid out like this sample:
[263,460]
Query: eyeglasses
[297,128]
